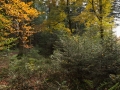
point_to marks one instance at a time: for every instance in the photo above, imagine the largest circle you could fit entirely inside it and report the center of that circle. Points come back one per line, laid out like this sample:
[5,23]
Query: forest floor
[4,65]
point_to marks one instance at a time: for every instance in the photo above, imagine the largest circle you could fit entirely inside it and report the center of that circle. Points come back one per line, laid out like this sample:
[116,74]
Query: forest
[59,45]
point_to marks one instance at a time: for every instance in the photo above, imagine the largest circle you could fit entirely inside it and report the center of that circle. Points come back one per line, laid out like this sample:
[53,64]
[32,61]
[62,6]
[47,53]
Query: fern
[89,83]
[115,87]
[102,85]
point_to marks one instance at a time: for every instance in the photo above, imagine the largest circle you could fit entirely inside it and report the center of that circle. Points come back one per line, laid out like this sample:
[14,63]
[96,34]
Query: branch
[92,3]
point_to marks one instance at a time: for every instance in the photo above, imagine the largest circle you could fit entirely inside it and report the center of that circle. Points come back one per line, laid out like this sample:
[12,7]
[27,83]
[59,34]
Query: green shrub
[32,72]
[83,57]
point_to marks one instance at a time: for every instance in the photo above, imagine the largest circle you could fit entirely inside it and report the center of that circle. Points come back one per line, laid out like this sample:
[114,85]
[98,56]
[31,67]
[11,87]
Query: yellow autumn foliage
[22,14]
[91,14]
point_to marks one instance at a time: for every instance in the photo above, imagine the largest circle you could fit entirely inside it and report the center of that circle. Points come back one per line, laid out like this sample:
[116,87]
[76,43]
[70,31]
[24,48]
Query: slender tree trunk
[20,46]
[101,30]
[21,42]
[100,19]
[68,17]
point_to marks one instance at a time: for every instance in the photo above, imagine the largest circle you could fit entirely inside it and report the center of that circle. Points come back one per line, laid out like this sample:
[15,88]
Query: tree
[59,13]
[116,8]
[22,14]
[54,17]
[97,13]
[5,23]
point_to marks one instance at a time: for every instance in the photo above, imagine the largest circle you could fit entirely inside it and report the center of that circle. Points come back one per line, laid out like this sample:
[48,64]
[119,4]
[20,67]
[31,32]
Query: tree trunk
[21,42]
[100,19]
[20,46]
[68,16]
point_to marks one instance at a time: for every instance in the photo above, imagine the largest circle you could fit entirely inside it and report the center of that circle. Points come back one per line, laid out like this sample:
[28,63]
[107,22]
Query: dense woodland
[59,45]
